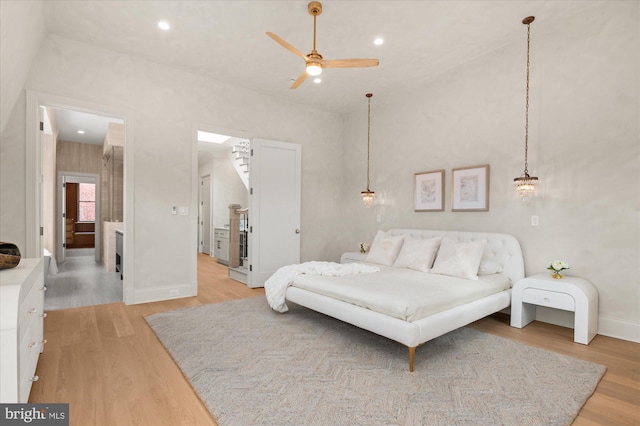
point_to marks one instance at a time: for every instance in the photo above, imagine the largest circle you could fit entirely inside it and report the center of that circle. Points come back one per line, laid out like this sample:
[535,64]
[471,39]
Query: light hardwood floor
[110,367]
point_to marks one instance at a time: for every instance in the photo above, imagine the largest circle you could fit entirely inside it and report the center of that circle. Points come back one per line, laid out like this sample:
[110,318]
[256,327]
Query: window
[86,202]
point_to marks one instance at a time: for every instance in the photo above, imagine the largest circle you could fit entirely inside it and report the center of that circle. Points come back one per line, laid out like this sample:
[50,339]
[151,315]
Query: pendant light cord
[526,121]
[368,136]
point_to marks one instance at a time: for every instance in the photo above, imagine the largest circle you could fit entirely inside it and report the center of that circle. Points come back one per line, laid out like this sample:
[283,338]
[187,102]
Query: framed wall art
[428,191]
[470,189]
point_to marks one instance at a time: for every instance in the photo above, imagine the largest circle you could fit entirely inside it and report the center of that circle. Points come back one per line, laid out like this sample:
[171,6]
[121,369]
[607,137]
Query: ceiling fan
[314,61]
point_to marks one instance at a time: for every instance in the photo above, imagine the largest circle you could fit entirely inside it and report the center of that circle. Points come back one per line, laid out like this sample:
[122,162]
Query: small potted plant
[556,267]
[364,247]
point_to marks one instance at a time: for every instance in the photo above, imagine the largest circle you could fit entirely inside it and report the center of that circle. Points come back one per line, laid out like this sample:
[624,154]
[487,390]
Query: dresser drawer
[29,374]
[29,348]
[31,308]
[550,299]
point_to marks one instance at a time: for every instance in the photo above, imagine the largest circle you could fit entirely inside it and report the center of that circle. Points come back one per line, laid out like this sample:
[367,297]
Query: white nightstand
[568,293]
[353,257]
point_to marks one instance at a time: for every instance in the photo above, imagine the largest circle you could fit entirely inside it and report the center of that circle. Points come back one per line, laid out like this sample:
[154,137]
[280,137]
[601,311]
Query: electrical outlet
[534,220]
[378,218]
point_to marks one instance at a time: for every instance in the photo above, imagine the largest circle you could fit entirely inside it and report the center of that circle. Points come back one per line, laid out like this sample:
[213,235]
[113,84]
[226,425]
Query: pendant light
[525,184]
[367,196]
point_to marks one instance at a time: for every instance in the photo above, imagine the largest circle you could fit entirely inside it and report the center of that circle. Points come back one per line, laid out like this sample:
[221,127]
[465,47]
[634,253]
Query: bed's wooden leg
[412,354]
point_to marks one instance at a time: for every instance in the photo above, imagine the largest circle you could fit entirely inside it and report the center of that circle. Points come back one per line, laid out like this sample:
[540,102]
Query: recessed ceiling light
[81,132]
[164,25]
[378,41]
[212,137]
[317,80]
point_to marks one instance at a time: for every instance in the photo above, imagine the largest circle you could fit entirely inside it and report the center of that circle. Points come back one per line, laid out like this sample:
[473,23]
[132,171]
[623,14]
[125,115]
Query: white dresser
[21,327]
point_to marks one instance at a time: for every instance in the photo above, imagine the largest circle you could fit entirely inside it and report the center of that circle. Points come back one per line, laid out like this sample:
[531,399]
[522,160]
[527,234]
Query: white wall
[226,184]
[23,29]
[584,147]
[22,32]
[166,102]
[227,189]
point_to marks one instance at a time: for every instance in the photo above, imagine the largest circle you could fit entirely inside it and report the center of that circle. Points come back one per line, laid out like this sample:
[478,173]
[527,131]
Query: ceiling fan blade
[300,80]
[286,45]
[350,63]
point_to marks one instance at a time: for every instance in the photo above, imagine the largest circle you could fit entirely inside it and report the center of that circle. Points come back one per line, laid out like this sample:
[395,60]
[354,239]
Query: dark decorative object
[9,255]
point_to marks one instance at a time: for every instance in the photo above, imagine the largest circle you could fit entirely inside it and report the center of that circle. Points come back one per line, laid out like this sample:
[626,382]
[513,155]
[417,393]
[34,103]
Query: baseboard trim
[620,329]
[610,327]
[157,294]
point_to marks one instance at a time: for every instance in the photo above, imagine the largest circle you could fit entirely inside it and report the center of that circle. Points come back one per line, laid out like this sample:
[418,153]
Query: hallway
[81,281]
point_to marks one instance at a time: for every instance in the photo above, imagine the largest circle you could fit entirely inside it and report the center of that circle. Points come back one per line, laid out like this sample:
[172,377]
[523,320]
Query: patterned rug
[253,366]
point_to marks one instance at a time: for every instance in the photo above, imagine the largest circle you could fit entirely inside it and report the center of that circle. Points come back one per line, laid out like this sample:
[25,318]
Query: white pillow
[489,267]
[384,249]
[459,259]
[417,254]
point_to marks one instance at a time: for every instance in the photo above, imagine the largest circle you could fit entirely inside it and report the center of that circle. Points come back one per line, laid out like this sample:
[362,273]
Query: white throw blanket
[276,286]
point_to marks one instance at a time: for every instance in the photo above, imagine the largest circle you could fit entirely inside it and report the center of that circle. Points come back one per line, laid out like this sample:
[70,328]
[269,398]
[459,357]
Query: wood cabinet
[21,327]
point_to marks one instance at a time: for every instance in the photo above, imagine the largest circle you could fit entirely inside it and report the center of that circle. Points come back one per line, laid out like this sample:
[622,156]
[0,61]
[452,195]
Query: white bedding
[404,293]
[276,286]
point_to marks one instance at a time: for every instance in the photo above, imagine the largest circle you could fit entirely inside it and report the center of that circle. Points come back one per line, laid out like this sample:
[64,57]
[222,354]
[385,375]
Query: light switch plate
[184,211]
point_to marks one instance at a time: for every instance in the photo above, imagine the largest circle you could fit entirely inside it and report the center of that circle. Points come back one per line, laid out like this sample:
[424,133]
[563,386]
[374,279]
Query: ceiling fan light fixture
[314,68]
[314,62]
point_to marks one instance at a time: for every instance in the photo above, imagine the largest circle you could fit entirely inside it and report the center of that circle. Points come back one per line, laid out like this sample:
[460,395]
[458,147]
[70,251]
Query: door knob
[297,231]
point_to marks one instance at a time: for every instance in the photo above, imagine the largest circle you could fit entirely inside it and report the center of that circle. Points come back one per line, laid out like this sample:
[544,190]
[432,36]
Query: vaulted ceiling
[226,40]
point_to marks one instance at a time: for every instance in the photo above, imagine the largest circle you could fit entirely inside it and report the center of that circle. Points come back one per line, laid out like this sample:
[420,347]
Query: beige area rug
[253,366]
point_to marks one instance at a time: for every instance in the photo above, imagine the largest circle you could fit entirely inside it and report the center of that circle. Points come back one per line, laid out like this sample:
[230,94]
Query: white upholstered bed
[411,328]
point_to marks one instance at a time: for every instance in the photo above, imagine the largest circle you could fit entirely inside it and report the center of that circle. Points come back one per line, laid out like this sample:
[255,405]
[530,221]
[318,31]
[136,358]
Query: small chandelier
[367,196]
[525,184]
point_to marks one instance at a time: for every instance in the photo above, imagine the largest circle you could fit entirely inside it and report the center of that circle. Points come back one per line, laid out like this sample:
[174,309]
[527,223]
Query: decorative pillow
[384,249]
[417,253]
[489,267]
[459,259]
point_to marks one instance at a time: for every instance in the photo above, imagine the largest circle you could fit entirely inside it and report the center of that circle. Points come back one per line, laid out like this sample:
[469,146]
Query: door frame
[201,216]
[195,126]
[75,177]
[33,175]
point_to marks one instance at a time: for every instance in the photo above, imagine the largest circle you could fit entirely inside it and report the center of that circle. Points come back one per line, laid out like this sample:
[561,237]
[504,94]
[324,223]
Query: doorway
[78,214]
[81,267]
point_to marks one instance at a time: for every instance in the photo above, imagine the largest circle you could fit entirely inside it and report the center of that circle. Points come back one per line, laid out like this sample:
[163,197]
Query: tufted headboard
[501,248]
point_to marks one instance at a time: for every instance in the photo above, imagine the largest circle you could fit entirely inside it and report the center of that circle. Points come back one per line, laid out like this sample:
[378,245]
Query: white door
[62,235]
[205,215]
[274,208]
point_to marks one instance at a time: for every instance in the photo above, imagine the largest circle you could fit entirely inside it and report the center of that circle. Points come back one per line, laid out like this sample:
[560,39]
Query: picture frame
[470,189]
[428,191]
